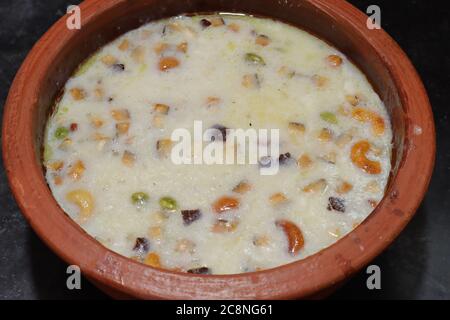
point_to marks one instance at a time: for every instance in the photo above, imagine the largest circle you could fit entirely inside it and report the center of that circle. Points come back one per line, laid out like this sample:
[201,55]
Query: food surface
[108,145]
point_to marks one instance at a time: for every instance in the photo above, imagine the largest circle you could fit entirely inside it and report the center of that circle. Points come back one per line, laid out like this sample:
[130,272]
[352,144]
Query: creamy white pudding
[108,147]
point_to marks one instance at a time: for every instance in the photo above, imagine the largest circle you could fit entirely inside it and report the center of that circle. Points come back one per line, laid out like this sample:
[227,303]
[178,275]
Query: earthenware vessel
[60,51]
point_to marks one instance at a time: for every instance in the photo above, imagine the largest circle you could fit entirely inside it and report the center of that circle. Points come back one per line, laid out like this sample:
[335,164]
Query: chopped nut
[343,140]
[320,81]
[242,187]
[96,121]
[189,216]
[161,47]
[213,101]
[277,198]
[57,180]
[261,241]
[138,54]
[365,115]
[55,166]
[372,187]
[329,157]
[161,108]
[304,161]
[122,127]
[77,94]
[234,27]
[109,60]
[153,260]
[359,158]
[325,135]
[223,226]
[293,234]
[128,158]
[164,147]
[343,111]
[77,170]
[185,245]
[334,60]
[352,99]
[167,63]
[317,186]
[120,114]
[344,187]
[182,47]
[84,200]
[225,203]
[262,40]
[158,121]
[66,144]
[155,233]
[124,45]
[98,92]
[296,128]
[336,204]
[372,203]
[217,22]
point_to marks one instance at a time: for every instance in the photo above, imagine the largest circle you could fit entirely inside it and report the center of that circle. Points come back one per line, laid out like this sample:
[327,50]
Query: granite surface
[416,266]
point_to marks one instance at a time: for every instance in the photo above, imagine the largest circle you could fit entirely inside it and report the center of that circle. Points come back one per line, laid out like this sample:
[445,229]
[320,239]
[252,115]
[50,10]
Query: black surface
[416,266]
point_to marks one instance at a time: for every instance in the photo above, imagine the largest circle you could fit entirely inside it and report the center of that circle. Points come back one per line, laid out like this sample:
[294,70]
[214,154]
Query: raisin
[73,126]
[205,23]
[284,158]
[118,67]
[142,245]
[222,136]
[190,216]
[336,204]
[202,270]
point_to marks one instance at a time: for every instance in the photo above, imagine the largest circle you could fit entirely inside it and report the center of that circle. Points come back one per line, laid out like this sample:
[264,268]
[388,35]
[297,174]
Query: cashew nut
[359,158]
[84,200]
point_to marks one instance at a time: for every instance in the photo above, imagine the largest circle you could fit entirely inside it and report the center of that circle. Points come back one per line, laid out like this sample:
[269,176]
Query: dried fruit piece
[168,204]
[223,226]
[190,216]
[118,67]
[201,270]
[365,115]
[294,235]
[255,59]
[128,158]
[334,60]
[167,63]
[77,170]
[61,133]
[142,245]
[205,23]
[120,114]
[262,40]
[73,127]
[284,158]
[164,147]
[316,186]
[161,108]
[153,260]
[225,203]
[344,187]
[304,161]
[84,200]
[139,199]
[242,187]
[122,127]
[278,198]
[336,204]
[329,117]
[359,158]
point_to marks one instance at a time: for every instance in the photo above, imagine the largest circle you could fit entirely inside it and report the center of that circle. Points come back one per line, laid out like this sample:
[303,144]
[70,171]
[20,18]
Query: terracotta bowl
[58,53]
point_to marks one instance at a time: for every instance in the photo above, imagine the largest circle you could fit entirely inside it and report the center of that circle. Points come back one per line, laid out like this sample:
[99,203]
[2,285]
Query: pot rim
[298,279]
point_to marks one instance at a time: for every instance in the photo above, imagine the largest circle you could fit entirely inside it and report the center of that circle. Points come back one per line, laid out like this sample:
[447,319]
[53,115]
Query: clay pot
[60,51]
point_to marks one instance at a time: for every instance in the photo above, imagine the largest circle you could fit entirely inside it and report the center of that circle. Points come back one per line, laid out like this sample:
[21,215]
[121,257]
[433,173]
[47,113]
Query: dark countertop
[416,266]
